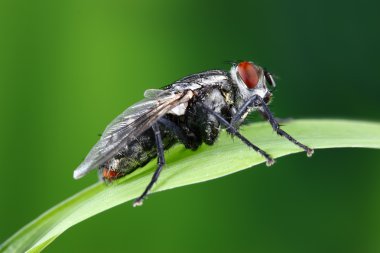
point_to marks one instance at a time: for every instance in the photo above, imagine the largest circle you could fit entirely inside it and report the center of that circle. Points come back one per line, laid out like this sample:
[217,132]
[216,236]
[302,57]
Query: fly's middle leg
[160,165]
[232,130]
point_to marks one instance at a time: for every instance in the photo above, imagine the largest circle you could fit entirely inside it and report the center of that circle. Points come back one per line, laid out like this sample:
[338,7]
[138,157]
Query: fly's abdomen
[135,155]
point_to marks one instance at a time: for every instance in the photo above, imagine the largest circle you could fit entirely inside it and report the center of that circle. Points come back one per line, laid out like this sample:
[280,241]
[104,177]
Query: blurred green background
[67,68]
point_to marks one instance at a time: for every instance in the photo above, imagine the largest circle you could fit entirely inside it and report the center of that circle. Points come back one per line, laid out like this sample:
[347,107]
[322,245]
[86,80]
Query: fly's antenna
[270,79]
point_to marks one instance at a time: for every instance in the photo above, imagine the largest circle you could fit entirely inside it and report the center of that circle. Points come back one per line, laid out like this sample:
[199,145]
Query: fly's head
[251,80]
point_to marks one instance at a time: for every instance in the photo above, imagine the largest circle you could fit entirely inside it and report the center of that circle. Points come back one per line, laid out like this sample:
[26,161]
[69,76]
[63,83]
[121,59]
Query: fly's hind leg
[189,139]
[160,165]
[232,130]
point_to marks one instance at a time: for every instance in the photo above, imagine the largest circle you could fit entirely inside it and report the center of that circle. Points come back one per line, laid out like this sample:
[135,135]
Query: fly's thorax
[201,123]
[215,100]
[199,84]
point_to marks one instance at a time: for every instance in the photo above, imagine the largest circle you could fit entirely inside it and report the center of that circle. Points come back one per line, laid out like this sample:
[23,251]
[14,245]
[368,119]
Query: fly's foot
[270,162]
[309,152]
[138,202]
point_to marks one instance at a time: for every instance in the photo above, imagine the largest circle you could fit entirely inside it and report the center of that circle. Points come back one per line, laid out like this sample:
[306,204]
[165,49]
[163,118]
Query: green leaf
[188,167]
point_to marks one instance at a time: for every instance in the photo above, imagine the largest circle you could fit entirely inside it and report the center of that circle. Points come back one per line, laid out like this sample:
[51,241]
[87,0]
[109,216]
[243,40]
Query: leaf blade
[187,167]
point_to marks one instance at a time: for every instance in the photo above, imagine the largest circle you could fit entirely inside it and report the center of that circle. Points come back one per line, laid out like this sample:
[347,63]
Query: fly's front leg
[160,165]
[232,130]
[244,109]
[258,101]
[254,101]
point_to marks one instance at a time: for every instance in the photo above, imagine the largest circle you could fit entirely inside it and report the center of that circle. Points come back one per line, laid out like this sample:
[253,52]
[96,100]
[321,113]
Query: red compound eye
[248,74]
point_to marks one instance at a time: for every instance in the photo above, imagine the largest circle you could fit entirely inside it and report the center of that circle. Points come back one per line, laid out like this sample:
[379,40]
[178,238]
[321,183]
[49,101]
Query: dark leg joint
[188,139]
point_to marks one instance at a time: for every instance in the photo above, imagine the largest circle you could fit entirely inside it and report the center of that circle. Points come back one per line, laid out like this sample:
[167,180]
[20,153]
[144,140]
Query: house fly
[191,111]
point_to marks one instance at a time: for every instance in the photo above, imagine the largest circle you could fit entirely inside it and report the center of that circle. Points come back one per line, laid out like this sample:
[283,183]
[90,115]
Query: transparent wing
[156,93]
[129,125]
